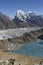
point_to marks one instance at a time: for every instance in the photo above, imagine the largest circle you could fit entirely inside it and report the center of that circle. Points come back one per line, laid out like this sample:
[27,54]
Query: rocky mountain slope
[28,36]
[5,22]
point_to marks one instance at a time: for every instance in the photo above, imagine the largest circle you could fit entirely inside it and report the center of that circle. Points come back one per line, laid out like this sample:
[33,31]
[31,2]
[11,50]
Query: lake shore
[19,59]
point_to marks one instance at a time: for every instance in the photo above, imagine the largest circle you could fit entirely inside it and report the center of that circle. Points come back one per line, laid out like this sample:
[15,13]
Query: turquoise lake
[31,49]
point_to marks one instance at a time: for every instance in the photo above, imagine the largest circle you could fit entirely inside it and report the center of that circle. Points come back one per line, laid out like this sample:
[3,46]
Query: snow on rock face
[21,15]
[29,14]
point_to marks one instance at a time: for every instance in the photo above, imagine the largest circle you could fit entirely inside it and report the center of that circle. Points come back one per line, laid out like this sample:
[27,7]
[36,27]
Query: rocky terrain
[11,41]
[5,22]
[17,59]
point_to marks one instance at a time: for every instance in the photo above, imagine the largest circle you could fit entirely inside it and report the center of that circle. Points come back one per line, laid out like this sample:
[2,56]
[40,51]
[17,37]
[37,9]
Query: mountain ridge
[21,20]
[29,17]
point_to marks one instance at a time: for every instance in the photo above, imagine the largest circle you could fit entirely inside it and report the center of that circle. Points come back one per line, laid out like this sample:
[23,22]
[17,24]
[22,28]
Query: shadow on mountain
[40,37]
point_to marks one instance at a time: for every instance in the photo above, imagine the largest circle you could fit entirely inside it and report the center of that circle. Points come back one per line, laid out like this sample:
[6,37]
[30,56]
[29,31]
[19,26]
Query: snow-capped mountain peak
[20,12]
[21,15]
[27,18]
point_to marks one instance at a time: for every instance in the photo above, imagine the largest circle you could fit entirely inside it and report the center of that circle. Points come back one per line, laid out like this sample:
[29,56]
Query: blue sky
[9,7]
